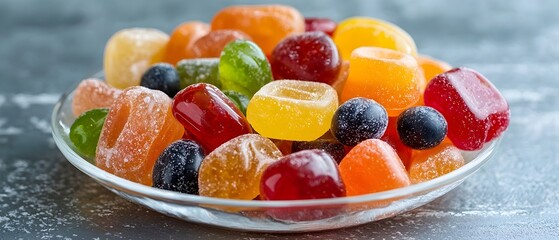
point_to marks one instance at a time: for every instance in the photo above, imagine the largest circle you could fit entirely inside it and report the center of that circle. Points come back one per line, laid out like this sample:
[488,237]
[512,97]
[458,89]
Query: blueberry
[177,167]
[330,146]
[421,127]
[357,120]
[163,77]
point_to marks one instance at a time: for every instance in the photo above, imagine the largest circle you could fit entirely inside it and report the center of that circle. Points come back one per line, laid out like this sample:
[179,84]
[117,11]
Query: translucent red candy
[311,56]
[208,115]
[475,110]
[324,25]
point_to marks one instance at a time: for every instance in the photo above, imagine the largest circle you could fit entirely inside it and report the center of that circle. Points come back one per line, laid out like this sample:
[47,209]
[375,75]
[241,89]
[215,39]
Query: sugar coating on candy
[386,76]
[311,56]
[421,127]
[267,25]
[91,94]
[199,70]
[433,163]
[177,167]
[211,45]
[372,166]
[130,52]
[466,98]
[138,127]
[359,119]
[182,39]
[234,169]
[292,110]
[356,32]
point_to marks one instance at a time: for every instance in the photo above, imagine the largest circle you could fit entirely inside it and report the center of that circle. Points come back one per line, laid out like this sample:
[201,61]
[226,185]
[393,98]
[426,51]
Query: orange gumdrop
[391,137]
[431,67]
[211,45]
[138,127]
[267,25]
[435,162]
[93,93]
[386,76]
[339,83]
[182,39]
[372,166]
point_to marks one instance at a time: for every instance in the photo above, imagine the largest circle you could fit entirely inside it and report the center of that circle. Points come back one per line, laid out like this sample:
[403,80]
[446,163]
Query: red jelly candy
[208,116]
[475,110]
[308,174]
[324,25]
[311,56]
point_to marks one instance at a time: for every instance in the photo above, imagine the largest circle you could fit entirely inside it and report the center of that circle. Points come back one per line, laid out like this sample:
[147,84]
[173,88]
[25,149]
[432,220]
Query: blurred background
[46,47]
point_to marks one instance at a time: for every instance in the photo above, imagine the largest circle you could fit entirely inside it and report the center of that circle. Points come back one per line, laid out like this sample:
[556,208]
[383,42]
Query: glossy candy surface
[330,146]
[132,140]
[475,110]
[311,56]
[234,169]
[182,39]
[308,174]
[435,162]
[358,32]
[372,166]
[208,115]
[85,131]
[292,110]
[211,45]
[91,94]
[240,100]
[130,52]
[177,167]
[162,77]
[386,76]
[243,67]
[421,127]
[357,120]
[201,70]
[324,25]
[267,25]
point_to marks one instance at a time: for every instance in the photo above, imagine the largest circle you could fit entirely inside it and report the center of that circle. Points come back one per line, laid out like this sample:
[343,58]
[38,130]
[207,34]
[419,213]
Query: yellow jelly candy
[386,76]
[293,110]
[130,52]
[363,31]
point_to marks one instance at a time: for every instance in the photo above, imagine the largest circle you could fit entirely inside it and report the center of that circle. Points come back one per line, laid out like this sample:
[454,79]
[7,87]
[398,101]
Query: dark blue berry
[357,120]
[421,127]
[330,146]
[177,167]
[163,77]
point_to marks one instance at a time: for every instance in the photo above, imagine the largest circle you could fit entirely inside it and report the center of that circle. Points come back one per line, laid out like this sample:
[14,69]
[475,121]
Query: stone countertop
[48,46]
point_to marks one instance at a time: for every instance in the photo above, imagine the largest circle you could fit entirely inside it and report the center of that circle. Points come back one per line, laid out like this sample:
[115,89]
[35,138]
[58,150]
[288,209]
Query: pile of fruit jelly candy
[265,104]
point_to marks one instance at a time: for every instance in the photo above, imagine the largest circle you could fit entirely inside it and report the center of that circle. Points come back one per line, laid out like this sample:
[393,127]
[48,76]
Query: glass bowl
[267,216]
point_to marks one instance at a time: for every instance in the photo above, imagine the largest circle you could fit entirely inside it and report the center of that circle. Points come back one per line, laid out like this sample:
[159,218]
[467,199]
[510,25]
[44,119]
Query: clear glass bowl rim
[133,188]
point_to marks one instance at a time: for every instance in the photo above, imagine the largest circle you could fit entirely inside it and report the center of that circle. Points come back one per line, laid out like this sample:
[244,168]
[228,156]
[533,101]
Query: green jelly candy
[85,131]
[200,70]
[243,67]
[240,100]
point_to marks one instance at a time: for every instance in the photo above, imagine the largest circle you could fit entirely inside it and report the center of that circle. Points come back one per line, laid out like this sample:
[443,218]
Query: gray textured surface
[46,46]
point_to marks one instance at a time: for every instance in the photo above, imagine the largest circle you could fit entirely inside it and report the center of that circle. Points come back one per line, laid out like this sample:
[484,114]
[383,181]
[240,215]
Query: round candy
[177,167]
[330,146]
[421,127]
[85,131]
[308,174]
[163,77]
[359,119]
[311,56]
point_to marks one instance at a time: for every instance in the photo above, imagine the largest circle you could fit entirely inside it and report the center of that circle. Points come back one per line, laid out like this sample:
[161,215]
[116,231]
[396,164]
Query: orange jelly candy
[267,25]
[93,93]
[432,67]
[372,166]
[391,137]
[132,140]
[182,39]
[386,76]
[211,45]
[435,162]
